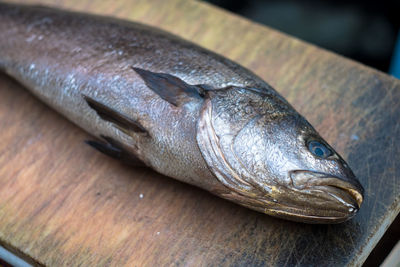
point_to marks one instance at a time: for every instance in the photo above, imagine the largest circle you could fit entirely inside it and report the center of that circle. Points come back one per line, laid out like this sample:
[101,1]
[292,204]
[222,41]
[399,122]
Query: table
[64,204]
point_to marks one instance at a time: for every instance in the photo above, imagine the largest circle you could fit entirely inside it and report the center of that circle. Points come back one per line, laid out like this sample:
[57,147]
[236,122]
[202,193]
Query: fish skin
[211,139]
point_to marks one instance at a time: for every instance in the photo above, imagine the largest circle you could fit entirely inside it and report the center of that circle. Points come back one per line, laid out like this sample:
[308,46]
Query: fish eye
[318,149]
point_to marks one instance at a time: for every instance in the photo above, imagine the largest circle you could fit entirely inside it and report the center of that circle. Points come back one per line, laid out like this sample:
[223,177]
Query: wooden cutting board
[64,204]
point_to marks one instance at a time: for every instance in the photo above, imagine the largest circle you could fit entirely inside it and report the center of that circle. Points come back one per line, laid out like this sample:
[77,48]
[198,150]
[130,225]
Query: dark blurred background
[365,31]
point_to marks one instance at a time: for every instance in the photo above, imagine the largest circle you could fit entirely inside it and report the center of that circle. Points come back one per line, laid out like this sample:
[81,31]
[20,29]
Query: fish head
[272,160]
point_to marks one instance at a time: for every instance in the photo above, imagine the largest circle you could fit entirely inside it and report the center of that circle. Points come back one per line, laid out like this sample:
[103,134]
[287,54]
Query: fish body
[190,114]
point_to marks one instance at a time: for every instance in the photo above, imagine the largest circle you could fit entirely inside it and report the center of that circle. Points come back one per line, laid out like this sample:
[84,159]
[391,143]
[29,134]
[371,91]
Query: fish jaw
[313,197]
[331,202]
[321,198]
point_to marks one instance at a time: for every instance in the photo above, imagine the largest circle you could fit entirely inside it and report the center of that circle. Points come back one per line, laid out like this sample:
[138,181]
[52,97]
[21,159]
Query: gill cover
[226,112]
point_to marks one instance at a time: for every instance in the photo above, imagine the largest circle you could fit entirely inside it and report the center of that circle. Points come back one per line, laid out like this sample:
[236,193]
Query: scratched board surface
[64,204]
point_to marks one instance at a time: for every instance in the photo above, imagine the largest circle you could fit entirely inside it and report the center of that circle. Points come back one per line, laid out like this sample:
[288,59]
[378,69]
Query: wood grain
[64,204]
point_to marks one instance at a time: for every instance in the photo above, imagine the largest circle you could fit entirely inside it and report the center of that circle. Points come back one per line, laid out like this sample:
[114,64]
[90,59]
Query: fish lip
[306,179]
[356,195]
[319,215]
[310,218]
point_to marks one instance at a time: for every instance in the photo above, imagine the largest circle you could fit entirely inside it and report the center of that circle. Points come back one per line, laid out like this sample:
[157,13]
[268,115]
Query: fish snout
[346,191]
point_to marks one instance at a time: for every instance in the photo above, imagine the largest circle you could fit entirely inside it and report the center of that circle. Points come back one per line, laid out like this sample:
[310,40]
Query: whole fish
[153,99]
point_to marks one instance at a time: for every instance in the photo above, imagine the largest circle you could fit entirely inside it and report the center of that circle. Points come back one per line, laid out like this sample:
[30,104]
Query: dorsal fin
[169,87]
[122,122]
[116,150]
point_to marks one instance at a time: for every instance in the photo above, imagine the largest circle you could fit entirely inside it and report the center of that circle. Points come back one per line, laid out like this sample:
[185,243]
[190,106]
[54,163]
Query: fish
[152,99]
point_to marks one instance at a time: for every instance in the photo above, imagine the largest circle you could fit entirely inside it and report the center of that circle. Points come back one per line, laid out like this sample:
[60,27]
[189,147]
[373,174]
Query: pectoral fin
[170,88]
[116,150]
[121,121]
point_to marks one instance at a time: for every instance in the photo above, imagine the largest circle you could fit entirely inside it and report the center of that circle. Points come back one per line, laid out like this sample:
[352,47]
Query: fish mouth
[304,179]
[321,198]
